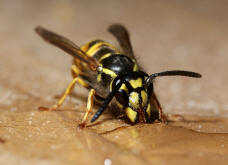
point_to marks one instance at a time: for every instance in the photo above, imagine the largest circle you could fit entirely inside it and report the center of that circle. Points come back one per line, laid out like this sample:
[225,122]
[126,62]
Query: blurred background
[166,35]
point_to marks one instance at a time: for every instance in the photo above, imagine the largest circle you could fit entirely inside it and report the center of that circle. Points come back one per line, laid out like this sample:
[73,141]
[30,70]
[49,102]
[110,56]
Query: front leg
[89,108]
[162,117]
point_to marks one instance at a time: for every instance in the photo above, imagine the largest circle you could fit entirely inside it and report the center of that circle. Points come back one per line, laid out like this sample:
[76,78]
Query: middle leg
[75,73]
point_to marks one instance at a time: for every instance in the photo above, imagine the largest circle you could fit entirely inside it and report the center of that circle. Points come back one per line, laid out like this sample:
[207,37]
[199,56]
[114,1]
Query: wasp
[109,73]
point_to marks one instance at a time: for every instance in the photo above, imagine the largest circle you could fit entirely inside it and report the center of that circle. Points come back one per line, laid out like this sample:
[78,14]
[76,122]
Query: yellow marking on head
[131,114]
[144,97]
[136,83]
[105,56]
[148,110]
[124,88]
[134,99]
[109,72]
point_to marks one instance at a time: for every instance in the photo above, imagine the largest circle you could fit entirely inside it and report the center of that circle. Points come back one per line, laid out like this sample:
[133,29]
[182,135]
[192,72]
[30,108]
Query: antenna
[173,73]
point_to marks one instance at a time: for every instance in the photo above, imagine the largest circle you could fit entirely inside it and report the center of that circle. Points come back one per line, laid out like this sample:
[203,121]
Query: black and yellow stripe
[98,48]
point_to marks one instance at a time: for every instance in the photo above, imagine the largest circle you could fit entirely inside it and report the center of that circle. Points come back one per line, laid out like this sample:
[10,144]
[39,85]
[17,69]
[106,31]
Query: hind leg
[75,72]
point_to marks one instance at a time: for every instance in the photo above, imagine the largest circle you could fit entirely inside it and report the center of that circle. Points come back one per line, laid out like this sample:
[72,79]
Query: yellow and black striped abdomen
[99,49]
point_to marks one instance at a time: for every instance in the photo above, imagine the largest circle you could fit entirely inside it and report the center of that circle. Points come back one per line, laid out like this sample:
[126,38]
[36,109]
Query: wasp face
[133,96]
[137,106]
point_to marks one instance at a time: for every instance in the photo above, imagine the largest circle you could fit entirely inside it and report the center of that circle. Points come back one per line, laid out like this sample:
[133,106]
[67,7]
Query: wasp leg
[68,91]
[75,72]
[90,101]
[162,117]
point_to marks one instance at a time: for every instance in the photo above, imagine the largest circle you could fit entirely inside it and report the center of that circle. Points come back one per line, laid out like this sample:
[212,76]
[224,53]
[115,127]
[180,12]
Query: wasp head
[134,97]
[135,93]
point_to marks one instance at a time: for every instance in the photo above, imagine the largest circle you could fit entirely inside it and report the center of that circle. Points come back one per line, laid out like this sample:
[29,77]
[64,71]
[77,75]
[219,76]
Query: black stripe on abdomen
[92,43]
[102,51]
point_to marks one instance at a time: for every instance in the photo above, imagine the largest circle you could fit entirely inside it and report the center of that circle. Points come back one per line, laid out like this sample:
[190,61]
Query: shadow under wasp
[109,73]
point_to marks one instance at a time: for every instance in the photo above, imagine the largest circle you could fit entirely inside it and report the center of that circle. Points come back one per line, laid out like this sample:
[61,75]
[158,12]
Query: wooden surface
[189,35]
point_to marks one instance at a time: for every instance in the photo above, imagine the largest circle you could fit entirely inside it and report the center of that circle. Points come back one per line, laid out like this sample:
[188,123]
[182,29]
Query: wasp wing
[66,45]
[122,35]
[88,73]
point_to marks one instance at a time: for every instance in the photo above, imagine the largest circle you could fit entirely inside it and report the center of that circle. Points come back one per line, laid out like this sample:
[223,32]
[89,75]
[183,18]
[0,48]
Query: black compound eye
[122,97]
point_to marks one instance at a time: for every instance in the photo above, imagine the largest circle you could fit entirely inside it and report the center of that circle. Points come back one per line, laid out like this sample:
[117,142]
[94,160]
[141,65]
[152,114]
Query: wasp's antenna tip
[174,73]
[39,30]
[115,26]
[198,75]
[193,74]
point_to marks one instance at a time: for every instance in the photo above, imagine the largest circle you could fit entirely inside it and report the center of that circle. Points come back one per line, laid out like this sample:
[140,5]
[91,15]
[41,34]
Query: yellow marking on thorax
[109,72]
[131,114]
[134,99]
[136,83]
